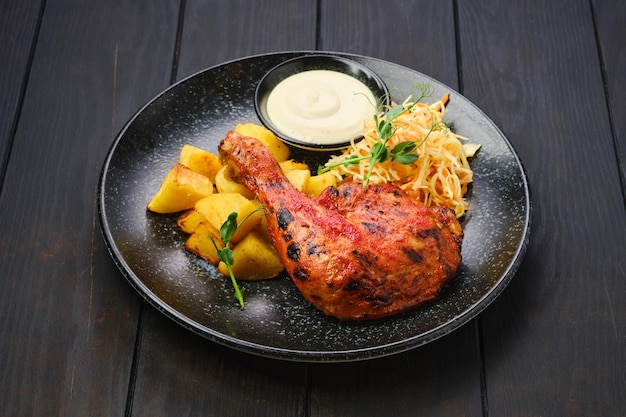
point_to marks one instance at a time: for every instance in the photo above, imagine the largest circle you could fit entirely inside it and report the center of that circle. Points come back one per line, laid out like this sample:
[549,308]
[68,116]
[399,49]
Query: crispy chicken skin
[354,253]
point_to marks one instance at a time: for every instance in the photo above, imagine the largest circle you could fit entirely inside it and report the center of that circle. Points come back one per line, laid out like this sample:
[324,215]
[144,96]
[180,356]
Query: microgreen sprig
[403,152]
[226,255]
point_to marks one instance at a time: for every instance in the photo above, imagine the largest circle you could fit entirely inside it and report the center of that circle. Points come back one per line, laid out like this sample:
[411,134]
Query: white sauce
[321,106]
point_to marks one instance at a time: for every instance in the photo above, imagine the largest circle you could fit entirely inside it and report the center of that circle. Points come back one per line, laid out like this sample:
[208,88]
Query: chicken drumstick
[354,253]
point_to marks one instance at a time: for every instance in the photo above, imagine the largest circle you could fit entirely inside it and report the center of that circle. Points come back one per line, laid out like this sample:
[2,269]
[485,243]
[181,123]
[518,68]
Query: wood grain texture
[67,346]
[19,22]
[181,374]
[216,32]
[417,34]
[611,31]
[440,379]
[565,310]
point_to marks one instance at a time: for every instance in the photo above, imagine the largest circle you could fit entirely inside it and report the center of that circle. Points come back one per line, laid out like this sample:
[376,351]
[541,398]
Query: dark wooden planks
[217,32]
[69,319]
[180,373]
[417,34]
[554,342]
[442,378]
[18,30]
[611,31]
[439,379]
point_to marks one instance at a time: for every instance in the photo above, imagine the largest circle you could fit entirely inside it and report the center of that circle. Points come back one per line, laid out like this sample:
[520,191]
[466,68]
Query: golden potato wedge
[225,184]
[180,190]
[299,178]
[199,243]
[200,161]
[317,183]
[277,148]
[216,207]
[255,259]
[262,226]
[290,165]
[189,220]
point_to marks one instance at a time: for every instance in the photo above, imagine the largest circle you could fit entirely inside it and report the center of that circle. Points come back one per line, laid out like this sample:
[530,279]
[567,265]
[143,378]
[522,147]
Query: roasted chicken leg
[354,253]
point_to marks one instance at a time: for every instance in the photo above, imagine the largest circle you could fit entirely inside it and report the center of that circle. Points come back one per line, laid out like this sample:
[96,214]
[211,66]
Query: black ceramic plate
[277,321]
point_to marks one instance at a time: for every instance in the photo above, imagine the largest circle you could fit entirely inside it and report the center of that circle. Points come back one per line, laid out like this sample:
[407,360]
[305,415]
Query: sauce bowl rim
[309,62]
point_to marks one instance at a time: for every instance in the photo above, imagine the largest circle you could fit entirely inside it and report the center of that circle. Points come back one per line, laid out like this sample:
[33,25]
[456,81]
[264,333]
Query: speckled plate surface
[277,321]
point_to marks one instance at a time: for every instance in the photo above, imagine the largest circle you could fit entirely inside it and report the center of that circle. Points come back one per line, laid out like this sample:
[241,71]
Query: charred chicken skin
[354,253]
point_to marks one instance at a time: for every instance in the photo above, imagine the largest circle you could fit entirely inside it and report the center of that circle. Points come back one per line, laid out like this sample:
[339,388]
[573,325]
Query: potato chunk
[297,173]
[189,220]
[290,165]
[200,161]
[299,178]
[262,226]
[318,183]
[255,259]
[277,148]
[216,207]
[199,243]
[225,184]
[180,190]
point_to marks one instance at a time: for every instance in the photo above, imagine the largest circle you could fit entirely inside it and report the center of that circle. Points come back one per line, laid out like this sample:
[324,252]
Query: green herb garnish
[402,153]
[226,255]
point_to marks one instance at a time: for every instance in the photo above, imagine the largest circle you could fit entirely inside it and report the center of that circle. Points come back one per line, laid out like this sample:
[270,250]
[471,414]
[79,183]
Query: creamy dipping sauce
[321,106]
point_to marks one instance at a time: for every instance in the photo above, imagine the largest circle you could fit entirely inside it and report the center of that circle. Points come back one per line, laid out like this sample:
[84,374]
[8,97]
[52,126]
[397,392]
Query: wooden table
[77,340]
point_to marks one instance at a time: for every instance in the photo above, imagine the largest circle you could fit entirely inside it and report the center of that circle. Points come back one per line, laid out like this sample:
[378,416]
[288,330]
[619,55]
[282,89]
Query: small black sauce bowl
[314,62]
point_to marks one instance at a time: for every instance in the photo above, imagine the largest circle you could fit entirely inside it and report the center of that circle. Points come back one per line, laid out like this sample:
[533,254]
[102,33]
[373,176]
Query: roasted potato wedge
[277,148]
[216,207]
[255,259]
[299,178]
[189,220]
[226,185]
[317,183]
[201,161]
[180,190]
[262,226]
[199,243]
[290,165]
